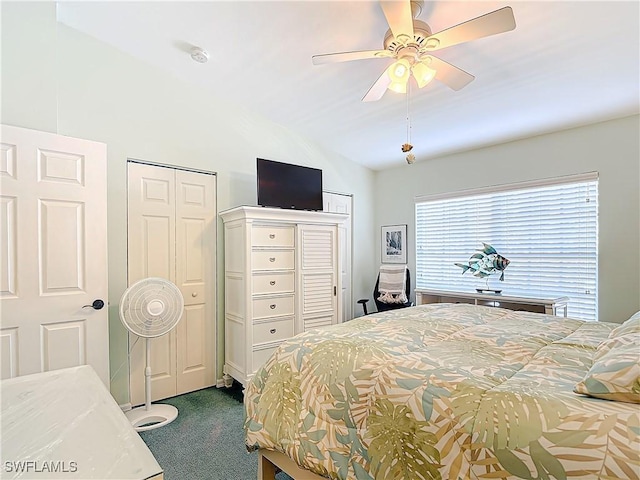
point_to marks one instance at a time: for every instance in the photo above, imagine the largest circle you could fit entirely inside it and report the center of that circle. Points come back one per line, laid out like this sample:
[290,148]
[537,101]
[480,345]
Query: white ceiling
[566,64]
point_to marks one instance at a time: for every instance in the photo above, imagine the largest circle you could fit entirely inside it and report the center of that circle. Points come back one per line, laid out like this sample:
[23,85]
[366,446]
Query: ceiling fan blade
[378,88]
[348,56]
[499,21]
[452,76]
[399,17]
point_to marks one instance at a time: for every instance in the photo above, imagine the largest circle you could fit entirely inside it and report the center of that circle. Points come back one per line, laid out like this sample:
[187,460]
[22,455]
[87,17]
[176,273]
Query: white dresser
[282,277]
[548,305]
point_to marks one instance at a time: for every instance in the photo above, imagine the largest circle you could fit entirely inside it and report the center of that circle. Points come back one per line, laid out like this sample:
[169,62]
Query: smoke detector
[199,55]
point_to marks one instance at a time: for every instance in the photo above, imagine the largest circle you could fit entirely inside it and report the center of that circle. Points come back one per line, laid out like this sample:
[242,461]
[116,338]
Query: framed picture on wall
[394,244]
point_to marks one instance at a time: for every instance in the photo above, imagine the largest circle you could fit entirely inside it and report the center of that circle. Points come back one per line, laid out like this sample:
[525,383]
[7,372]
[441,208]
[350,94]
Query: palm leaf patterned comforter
[443,392]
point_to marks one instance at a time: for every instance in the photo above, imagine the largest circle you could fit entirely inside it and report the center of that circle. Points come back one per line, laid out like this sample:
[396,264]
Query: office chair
[383,306]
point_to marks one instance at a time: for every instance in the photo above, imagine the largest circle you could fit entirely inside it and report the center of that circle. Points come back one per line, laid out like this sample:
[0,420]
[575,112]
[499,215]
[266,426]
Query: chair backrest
[381,306]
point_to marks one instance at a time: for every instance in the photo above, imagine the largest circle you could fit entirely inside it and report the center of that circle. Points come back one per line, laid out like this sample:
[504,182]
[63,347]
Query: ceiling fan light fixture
[409,40]
[423,74]
[399,71]
[398,87]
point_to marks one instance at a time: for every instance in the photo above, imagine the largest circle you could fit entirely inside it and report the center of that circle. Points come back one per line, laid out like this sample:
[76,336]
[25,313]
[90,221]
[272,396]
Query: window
[547,229]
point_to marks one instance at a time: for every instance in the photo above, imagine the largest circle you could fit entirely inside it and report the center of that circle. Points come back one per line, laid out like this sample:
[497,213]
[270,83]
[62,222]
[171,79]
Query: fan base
[158,415]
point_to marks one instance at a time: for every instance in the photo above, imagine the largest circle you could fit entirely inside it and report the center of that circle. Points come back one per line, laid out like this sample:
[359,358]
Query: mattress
[443,391]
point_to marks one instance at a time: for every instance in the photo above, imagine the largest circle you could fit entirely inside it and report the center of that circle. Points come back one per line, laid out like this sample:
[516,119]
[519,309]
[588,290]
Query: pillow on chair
[391,284]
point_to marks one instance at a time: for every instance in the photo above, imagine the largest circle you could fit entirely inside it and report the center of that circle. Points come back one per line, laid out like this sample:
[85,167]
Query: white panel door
[151,253]
[53,242]
[319,279]
[195,277]
[172,234]
[339,203]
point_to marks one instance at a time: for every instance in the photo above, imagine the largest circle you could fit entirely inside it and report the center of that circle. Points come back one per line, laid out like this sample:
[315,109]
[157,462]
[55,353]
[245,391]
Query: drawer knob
[272,306]
[272,259]
[273,330]
[194,294]
[272,282]
[272,235]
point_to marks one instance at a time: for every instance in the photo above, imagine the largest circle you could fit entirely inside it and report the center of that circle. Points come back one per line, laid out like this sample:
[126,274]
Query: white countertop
[66,424]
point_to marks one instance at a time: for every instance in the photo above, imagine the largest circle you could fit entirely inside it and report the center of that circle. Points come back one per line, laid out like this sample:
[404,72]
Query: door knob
[96,305]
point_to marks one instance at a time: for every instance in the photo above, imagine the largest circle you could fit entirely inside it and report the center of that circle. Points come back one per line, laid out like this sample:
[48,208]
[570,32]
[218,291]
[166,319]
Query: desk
[549,306]
[65,424]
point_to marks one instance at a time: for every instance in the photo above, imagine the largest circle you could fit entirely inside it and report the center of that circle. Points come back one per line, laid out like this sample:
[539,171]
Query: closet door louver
[318,267]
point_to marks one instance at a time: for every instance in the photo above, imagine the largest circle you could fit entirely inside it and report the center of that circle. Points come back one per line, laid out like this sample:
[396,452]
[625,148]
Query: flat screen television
[283,185]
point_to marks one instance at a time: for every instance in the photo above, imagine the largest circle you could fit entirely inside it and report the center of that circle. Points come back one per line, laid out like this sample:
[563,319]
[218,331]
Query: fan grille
[421,32]
[151,307]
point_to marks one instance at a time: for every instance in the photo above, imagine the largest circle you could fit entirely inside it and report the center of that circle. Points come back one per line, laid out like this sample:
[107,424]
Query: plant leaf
[400,447]
[512,464]
[279,407]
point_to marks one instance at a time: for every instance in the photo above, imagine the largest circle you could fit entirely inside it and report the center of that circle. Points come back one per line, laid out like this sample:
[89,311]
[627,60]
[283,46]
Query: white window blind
[548,231]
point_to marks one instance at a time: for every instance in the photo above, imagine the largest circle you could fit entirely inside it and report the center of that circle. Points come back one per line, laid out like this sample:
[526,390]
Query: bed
[451,391]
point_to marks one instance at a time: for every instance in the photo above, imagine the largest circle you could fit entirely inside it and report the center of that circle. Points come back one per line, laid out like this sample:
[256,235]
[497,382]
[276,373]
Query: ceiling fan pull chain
[406,148]
[409,112]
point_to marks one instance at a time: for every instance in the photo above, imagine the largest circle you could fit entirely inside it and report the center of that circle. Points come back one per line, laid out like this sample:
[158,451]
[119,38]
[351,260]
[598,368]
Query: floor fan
[150,308]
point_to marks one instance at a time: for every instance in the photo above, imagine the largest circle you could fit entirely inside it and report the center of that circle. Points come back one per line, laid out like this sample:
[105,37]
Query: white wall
[610,148]
[59,80]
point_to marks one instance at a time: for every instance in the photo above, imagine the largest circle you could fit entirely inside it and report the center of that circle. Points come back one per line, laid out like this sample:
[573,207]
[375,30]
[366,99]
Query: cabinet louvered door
[319,280]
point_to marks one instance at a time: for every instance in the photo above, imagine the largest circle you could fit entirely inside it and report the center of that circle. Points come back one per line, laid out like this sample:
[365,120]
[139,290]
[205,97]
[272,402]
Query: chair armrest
[363,302]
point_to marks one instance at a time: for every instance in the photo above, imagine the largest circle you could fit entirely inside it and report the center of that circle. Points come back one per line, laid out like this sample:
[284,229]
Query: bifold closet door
[195,277]
[172,234]
[151,252]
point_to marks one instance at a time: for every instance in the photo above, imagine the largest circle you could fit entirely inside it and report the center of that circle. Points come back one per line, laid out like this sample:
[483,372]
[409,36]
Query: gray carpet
[206,441]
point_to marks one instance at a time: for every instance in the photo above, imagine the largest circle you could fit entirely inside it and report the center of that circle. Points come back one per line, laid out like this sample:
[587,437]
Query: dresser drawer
[273,282]
[270,236]
[272,306]
[260,357]
[273,330]
[273,259]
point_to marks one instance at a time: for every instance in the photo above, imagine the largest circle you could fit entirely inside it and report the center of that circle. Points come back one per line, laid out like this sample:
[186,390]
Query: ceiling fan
[409,41]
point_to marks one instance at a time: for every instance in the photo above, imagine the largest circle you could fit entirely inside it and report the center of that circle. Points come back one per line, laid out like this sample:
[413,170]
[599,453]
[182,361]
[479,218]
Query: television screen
[284,185]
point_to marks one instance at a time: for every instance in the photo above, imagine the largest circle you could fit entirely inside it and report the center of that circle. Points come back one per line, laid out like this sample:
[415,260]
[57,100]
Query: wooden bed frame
[270,461]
